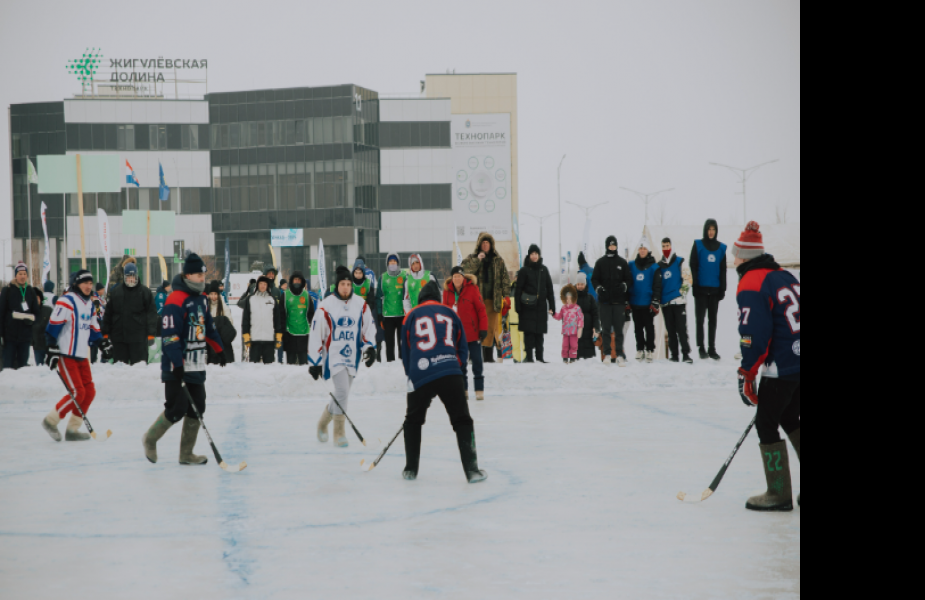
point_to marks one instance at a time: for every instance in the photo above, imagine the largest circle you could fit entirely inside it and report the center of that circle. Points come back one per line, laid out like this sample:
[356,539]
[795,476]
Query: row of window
[411,134]
[296,132]
[428,196]
[288,94]
[299,109]
[290,154]
[291,219]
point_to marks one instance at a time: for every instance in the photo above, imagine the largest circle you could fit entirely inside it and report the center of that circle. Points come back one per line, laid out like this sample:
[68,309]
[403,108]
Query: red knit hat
[750,244]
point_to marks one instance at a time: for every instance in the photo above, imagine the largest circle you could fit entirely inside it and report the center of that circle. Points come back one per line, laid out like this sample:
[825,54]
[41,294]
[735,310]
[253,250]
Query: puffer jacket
[468,306]
[130,316]
[493,269]
[612,279]
[262,318]
[534,279]
[592,316]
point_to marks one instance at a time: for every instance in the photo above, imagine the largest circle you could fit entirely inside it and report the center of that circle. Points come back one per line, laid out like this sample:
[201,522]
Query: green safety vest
[362,290]
[393,293]
[296,313]
[415,286]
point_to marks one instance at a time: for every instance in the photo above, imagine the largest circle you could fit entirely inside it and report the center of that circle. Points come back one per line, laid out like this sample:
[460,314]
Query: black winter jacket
[130,316]
[534,279]
[592,323]
[38,330]
[612,273]
[11,298]
[228,334]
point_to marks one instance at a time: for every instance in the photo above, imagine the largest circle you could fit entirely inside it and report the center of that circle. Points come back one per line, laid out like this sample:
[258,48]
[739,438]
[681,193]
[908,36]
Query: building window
[125,137]
[158,137]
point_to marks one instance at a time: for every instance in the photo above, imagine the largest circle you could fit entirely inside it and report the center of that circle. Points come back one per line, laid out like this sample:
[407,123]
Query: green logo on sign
[85,67]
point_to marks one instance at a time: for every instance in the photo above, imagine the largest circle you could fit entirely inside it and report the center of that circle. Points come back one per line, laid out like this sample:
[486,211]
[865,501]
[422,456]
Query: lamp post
[744,174]
[647,198]
[541,219]
[559,191]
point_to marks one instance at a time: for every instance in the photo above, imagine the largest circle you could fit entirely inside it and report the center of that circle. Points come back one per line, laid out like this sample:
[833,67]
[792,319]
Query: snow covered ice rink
[584,463]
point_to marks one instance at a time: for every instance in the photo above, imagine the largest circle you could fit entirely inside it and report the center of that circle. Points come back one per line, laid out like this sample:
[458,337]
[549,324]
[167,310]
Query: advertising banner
[322,271]
[46,263]
[105,239]
[286,237]
[482,176]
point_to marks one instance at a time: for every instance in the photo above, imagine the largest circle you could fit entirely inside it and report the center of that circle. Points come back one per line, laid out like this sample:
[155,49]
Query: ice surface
[584,462]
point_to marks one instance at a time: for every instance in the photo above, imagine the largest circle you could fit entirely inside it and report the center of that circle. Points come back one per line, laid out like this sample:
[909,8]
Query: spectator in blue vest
[645,299]
[676,283]
[708,266]
[588,270]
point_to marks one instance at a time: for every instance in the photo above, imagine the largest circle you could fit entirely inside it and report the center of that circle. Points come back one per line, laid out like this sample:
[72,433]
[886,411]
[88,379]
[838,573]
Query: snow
[584,462]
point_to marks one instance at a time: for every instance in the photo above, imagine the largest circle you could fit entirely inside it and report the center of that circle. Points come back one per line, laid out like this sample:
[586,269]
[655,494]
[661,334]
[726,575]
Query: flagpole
[29,196]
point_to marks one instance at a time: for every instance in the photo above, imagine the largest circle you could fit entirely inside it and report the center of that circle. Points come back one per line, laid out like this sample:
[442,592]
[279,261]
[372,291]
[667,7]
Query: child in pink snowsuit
[573,321]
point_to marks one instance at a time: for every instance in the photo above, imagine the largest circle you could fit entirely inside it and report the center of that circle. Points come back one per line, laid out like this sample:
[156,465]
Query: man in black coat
[534,298]
[613,281]
[19,309]
[130,320]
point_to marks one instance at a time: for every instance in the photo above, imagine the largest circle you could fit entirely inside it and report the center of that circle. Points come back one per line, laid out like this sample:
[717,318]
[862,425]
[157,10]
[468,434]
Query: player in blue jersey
[434,352]
[708,266]
[769,325]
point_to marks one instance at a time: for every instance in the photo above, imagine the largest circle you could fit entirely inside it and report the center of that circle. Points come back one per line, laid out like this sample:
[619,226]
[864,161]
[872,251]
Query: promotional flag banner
[164,190]
[130,178]
[458,251]
[322,275]
[520,258]
[46,264]
[33,176]
[227,268]
[105,239]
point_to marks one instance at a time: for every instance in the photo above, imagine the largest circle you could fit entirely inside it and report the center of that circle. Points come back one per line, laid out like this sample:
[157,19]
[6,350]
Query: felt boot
[779,497]
[466,441]
[340,432]
[72,433]
[50,425]
[480,396]
[487,355]
[323,425]
[155,432]
[412,452]
[188,442]
[795,440]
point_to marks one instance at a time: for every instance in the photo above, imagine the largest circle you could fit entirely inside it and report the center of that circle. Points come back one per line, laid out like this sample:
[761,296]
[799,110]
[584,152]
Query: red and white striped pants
[79,381]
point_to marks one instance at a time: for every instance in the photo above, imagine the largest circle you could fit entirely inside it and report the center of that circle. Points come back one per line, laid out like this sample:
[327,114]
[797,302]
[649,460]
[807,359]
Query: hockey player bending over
[435,352]
[769,325]
[73,328]
[343,329]
[186,330]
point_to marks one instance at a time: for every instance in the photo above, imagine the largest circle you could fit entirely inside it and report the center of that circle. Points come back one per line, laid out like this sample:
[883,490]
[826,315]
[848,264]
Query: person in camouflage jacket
[495,284]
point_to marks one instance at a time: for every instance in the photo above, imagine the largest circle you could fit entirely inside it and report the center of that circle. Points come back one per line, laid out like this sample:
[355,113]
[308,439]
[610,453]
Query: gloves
[654,308]
[482,336]
[178,372]
[315,372]
[150,341]
[279,341]
[106,349]
[247,340]
[222,361]
[369,356]
[748,388]
[600,290]
[52,355]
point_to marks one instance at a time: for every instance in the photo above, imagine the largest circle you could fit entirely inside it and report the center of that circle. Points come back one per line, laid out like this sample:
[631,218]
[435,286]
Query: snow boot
[72,433]
[687,359]
[650,356]
[795,440]
[340,431]
[487,355]
[188,443]
[703,354]
[779,497]
[480,396]
[412,436]
[409,475]
[465,439]
[565,360]
[155,432]
[621,361]
[674,358]
[323,425]
[713,354]
[50,425]
[640,355]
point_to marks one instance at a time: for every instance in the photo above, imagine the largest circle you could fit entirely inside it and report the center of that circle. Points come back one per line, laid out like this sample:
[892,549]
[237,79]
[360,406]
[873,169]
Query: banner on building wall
[46,264]
[283,238]
[481,162]
[105,239]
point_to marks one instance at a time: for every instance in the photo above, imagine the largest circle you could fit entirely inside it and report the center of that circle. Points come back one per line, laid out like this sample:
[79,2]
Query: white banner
[459,258]
[282,238]
[482,176]
[46,264]
[105,237]
[322,270]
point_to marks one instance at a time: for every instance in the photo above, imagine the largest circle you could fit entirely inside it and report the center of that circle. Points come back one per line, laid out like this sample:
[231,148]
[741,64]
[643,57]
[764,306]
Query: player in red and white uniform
[73,328]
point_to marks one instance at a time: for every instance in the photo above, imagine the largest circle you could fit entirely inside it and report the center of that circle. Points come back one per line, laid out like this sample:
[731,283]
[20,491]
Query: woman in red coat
[461,293]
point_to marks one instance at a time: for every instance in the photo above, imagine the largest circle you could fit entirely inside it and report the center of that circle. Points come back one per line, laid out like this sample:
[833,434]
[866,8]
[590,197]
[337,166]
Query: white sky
[637,93]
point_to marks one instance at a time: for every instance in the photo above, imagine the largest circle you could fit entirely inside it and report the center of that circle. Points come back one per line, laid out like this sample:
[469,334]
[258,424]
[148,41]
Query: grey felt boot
[188,442]
[323,423]
[50,425]
[779,497]
[72,433]
[155,433]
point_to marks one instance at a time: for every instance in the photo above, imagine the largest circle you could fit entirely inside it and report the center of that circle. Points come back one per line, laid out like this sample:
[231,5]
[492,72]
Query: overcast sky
[642,93]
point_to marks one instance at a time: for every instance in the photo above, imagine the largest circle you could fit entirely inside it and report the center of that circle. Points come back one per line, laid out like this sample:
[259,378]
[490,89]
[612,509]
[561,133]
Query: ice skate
[188,442]
[155,432]
[323,425]
[72,433]
[50,425]
[340,432]
[779,497]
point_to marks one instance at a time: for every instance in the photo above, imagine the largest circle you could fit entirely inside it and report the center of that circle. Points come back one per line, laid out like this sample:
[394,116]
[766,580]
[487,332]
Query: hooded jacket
[302,300]
[571,315]
[271,288]
[15,325]
[390,293]
[468,305]
[533,279]
[710,246]
[117,275]
[263,317]
[131,316]
[408,301]
[491,273]
[611,277]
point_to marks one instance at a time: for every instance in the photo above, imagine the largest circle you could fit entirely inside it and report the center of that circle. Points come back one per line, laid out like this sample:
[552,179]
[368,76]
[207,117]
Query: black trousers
[534,342]
[264,352]
[177,405]
[778,406]
[131,354]
[645,328]
[296,358]
[706,305]
[452,392]
[613,316]
[392,333]
[16,355]
[676,323]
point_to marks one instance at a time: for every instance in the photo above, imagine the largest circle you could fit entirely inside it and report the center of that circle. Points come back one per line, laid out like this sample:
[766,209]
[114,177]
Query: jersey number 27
[790,297]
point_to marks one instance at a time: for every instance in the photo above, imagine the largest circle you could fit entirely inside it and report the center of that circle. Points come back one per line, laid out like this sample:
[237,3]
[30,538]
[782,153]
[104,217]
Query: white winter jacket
[262,317]
[341,331]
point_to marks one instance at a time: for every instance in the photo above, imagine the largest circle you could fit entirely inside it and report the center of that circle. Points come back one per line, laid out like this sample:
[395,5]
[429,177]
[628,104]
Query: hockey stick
[722,472]
[384,450]
[81,411]
[225,466]
[355,430]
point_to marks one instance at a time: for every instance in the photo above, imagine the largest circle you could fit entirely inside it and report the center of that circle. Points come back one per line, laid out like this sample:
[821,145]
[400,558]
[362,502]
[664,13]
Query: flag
[227,268]
[105,237]
[33,176]
[458,252]
[46,264]
[164,191]
[130,175]
[322,275]
[520,258]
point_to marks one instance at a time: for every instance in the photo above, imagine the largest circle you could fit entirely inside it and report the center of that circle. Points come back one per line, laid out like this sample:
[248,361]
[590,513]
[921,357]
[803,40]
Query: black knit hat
[458,270]
[193,265]
[582,261]
[429,293]
[534,248]
[79,277]
[342,273]
[611,241]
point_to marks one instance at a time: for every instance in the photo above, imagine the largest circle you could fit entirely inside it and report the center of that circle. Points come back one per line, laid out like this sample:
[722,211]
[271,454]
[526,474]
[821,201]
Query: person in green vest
[298,312]
[363,286]
[391,297]
[417,278]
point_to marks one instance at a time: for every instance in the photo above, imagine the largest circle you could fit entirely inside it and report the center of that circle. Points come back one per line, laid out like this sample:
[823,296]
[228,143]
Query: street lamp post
[541,219]
[559,190]
[647,198]
[744,174]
